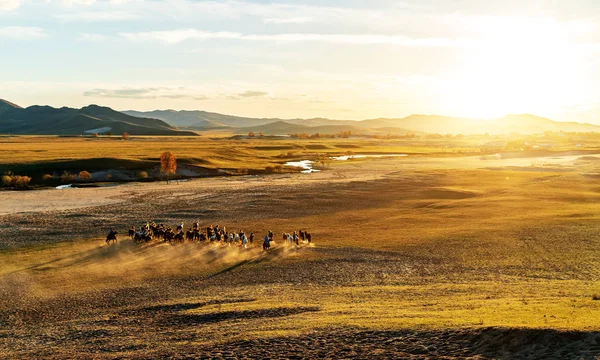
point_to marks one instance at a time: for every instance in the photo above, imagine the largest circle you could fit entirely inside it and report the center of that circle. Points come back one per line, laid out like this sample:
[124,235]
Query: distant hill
[7,105]
[200,120]
[46,120]
[524,123]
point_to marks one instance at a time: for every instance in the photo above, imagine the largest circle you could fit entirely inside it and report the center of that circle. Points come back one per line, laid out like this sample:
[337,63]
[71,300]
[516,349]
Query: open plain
[439,254]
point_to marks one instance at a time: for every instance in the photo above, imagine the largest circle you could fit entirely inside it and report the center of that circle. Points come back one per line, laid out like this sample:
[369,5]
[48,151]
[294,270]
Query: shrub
[125,135]
[67,177]
[85,176]
[108,177]
[95,135]
[6,180]
[242,171]
[142,174]
[20,181]
[46,177]
[269,169]
[251,134]
[278,168]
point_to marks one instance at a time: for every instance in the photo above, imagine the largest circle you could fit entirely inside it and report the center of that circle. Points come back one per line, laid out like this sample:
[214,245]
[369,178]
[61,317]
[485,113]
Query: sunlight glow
[520,65]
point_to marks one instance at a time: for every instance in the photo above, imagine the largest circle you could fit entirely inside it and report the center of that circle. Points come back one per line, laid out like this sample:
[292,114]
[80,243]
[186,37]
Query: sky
[340,59]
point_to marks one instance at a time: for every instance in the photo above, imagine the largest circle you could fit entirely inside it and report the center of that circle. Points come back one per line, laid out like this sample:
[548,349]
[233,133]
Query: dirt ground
[412,258]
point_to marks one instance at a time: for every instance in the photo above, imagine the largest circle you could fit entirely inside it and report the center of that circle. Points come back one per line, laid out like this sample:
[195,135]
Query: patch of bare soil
[488,343]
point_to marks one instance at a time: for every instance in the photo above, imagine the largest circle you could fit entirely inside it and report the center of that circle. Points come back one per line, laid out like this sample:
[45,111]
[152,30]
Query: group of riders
[151,231]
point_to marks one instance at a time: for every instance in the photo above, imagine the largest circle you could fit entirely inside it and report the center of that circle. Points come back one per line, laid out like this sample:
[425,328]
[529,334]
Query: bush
[126,136]
[46,177]
[269,169]
[20,181]
[85,176]
[108,177]
[251,134]
[278,168]
[142,174]
[67,177]
[6,180]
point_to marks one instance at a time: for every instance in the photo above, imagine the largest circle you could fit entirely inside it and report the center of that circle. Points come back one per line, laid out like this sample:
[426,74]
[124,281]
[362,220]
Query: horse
[179,237]
[266,244]
[111,237]
[131,232]
[189,235]
[301,233]
[196,235]
[308,237]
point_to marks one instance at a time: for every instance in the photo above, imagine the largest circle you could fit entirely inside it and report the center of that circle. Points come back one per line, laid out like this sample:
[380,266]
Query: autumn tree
[125,135]
[67,177]
[142,174]
[168,164]
[85,176]
[251,134]
[6,180]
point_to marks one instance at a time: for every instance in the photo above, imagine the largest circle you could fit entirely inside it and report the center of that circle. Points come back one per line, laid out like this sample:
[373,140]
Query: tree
[67,176]
[168,164]
[142,174]
[6,180]
[251,134]
[20,181]
[125,135]
[85,176]
[46,177]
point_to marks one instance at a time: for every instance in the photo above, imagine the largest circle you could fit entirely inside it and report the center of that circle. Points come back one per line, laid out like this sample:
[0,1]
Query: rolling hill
[46,120]
[523,123]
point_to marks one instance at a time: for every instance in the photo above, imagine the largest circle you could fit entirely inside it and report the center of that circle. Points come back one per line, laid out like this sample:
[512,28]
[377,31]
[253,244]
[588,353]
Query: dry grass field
[435,255]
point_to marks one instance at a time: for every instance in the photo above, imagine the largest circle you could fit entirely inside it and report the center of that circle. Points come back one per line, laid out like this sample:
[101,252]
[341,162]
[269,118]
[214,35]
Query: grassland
[425,256]
[36,156]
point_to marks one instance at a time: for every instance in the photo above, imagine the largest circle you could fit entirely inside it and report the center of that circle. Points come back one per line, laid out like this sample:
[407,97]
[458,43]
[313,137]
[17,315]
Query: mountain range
[522,123]
[46,120]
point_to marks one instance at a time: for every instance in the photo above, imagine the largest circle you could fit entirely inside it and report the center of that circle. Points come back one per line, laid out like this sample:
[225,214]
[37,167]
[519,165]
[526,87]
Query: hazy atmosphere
[289,59]
[299,179]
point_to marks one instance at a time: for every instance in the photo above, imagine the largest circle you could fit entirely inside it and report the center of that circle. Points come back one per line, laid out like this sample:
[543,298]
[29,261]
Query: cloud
[22,32]
[251,93]
[290,20]
[178,36]
[8,5]
[97,16]
[144,93]
[94,38]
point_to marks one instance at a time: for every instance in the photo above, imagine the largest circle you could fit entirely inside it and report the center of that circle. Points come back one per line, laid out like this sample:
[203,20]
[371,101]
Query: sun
[518,66]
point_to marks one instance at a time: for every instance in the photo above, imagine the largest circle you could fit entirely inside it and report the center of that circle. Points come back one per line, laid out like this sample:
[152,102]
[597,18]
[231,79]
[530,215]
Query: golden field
[437,254]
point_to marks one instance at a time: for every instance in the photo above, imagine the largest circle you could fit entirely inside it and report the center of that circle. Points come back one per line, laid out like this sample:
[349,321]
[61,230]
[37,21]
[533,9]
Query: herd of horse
[213,234]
